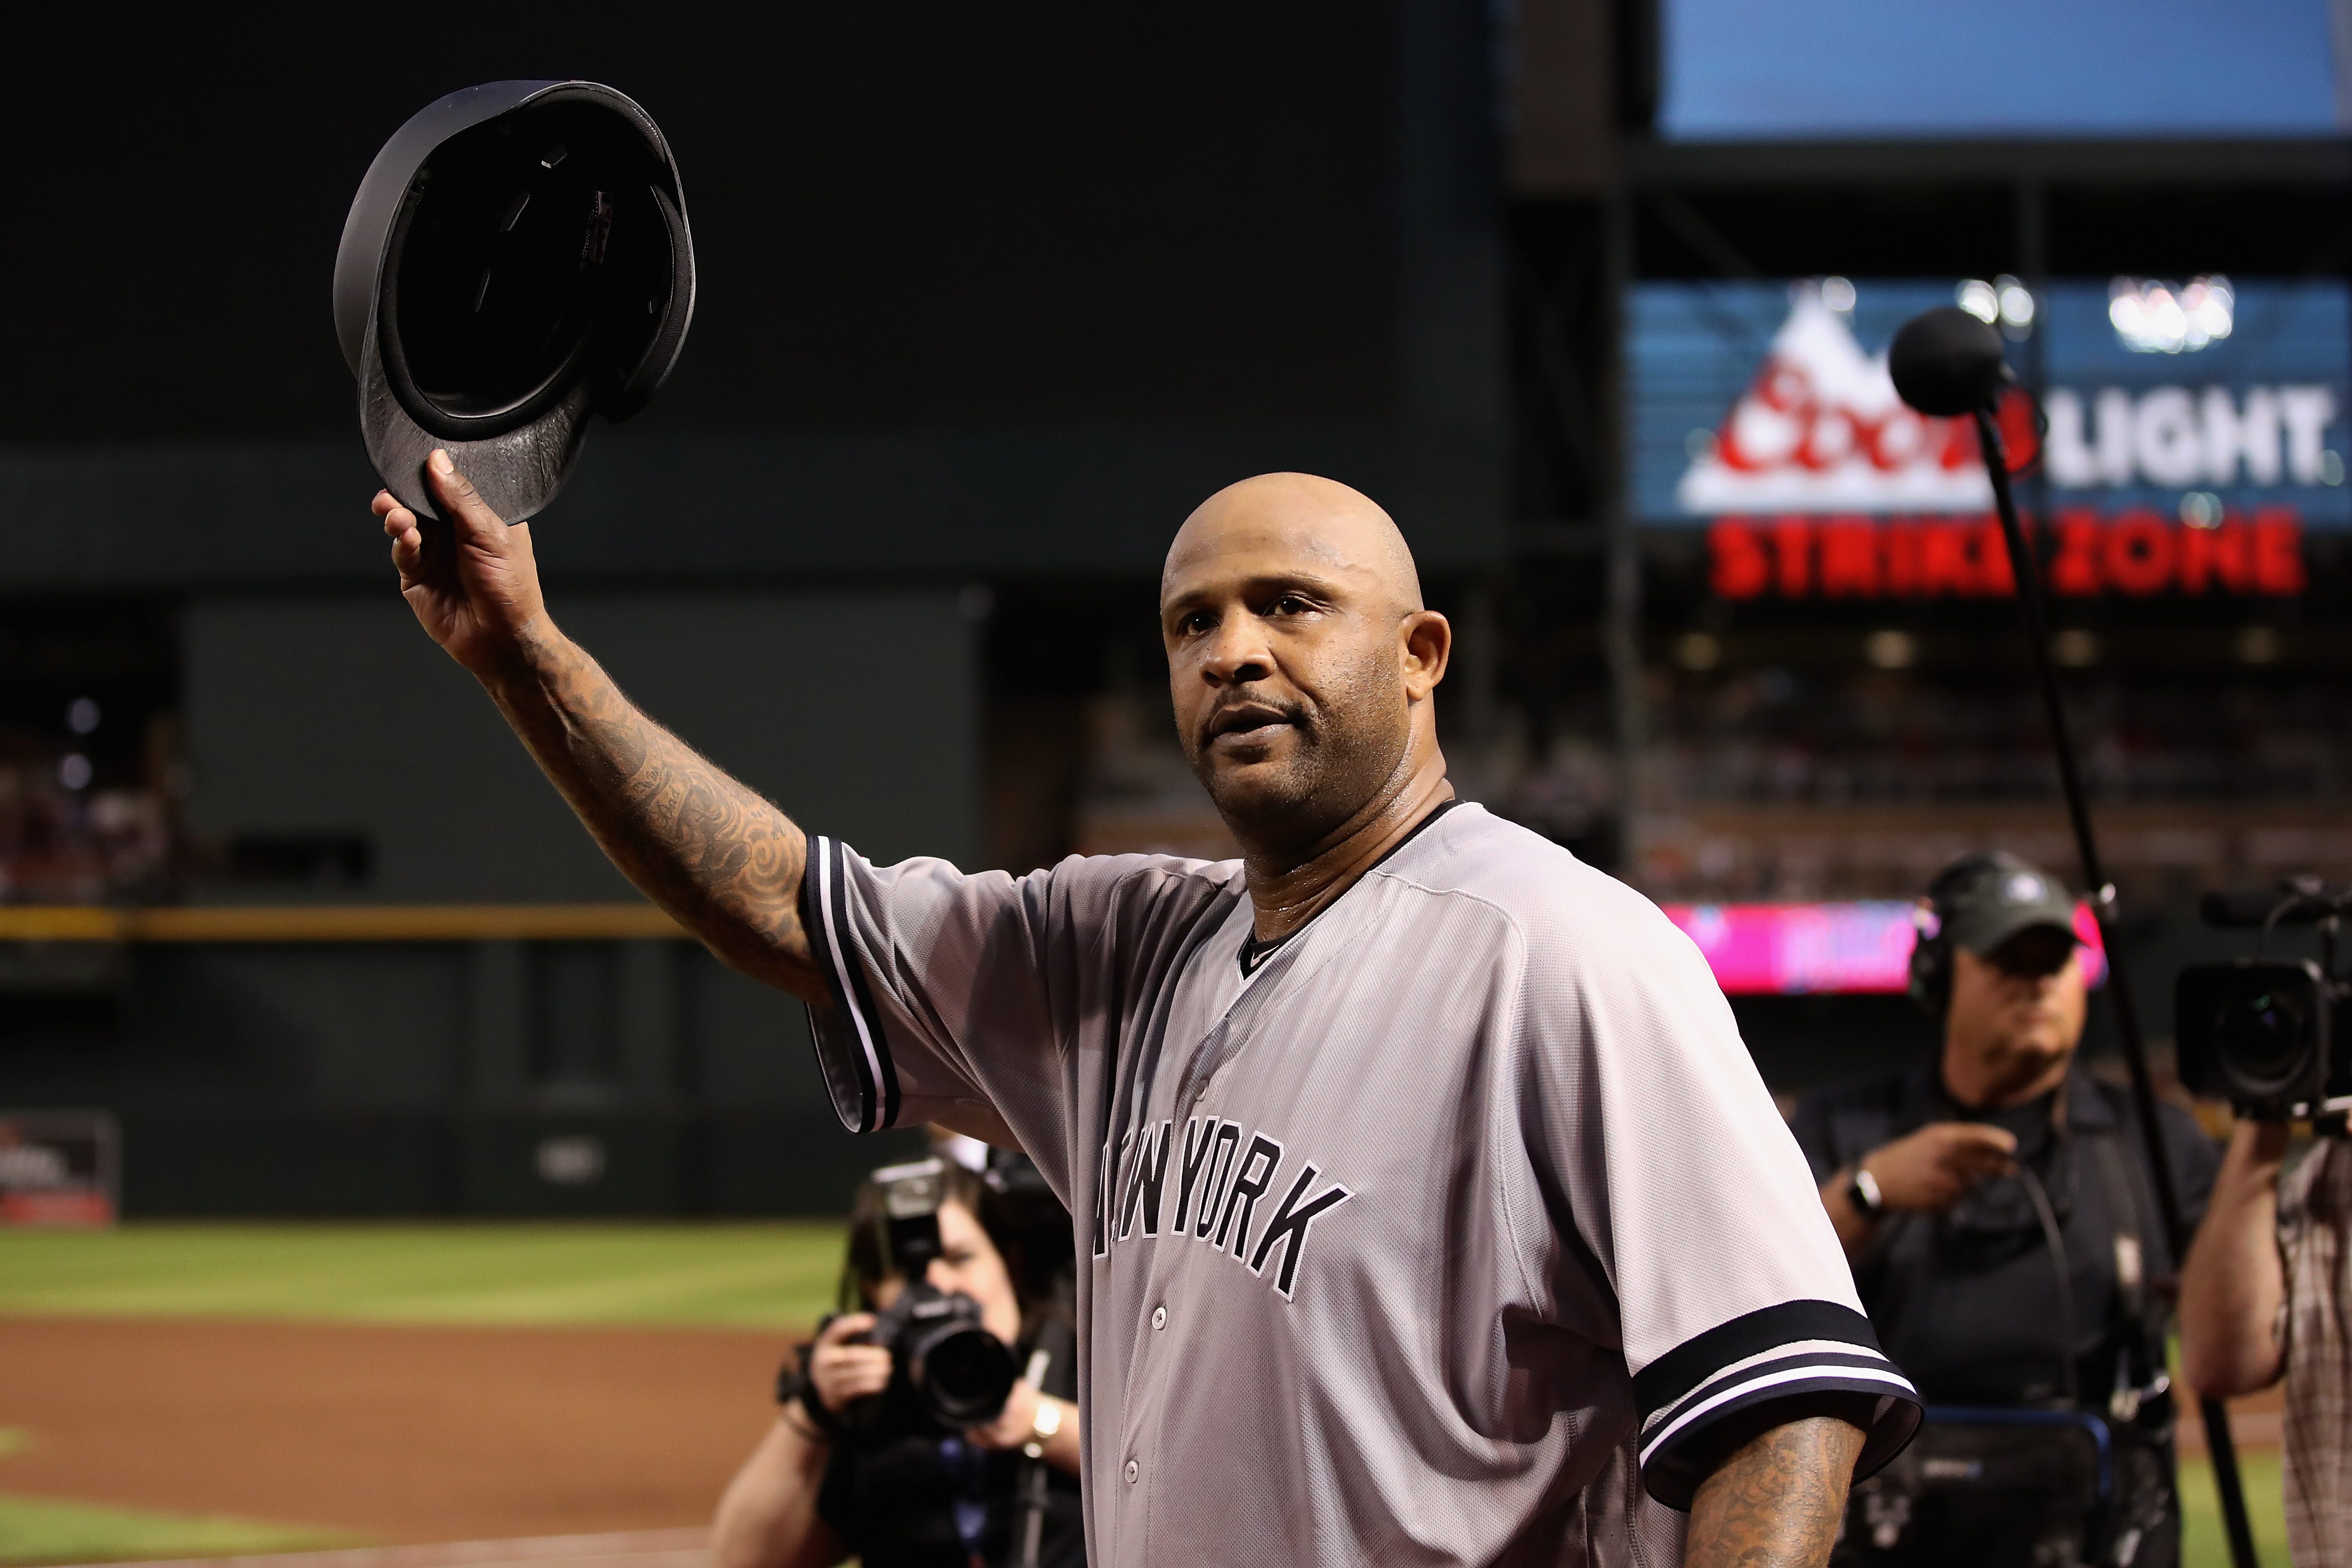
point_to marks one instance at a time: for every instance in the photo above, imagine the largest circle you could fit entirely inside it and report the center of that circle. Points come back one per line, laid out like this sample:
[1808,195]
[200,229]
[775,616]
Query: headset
[1931,951]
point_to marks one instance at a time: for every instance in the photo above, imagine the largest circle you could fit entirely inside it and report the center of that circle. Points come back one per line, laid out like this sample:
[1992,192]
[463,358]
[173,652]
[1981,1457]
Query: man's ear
[1425,642]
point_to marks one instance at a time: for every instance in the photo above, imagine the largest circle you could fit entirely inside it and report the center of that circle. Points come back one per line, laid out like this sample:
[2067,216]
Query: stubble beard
[1341,754]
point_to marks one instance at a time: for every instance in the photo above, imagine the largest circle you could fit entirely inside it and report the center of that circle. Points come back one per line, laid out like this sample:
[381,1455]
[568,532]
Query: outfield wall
[466,1044]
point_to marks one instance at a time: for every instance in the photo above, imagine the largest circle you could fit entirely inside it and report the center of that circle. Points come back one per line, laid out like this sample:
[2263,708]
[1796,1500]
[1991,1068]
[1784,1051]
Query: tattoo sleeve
[1776,1502]
[713,852]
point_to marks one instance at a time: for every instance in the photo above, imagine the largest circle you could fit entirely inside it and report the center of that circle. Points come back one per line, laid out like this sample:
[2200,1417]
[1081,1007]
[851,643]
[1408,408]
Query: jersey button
[1159,1317]
[1133,1471]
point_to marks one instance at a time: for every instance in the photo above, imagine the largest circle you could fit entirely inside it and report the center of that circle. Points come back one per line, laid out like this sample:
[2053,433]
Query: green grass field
[2202,1542]
[766,1275]
[734,1276]
[40,1530]
[762,1275]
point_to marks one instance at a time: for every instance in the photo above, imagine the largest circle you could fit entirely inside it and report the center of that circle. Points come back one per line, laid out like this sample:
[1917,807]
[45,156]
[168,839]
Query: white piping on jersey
[1777,1356]
[825,851]
[1794,1375]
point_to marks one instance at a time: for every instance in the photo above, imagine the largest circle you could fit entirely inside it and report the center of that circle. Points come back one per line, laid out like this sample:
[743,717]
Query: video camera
[957,1374]
[2271,1036]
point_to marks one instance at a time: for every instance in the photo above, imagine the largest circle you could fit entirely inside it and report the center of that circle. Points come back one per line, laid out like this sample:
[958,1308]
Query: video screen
[1754,70]
[2195,429]
[1793,950]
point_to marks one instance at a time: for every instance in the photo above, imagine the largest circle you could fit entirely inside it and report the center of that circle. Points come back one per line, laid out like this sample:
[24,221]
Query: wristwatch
[1864,1195]
[1042,1426]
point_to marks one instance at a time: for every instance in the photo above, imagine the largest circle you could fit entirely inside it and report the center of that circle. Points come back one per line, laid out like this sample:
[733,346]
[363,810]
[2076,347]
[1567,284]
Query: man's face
[2018,1010]
[1291,668]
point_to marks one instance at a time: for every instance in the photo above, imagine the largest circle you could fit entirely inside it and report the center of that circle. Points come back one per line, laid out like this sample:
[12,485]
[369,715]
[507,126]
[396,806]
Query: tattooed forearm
[1776,1502]
[712,851]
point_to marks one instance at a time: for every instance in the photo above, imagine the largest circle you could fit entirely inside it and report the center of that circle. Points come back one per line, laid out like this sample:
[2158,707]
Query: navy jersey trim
[1670,1378]
[853,1052]
[1811,1371]
[1797,1352]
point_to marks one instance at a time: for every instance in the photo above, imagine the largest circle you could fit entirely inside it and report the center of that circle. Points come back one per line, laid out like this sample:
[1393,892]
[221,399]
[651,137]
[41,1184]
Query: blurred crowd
[70,836]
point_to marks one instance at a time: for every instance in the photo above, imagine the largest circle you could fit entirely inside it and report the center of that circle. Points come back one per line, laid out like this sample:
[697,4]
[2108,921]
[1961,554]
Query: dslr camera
[947,1371]
[2271,1036]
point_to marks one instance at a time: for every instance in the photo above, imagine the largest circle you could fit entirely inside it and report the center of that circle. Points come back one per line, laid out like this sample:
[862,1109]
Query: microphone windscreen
[1946,361]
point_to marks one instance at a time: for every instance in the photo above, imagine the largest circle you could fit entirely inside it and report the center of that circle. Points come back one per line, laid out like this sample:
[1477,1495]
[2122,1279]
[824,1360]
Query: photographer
[858,1465]
[2008,1249]
[2265,1295]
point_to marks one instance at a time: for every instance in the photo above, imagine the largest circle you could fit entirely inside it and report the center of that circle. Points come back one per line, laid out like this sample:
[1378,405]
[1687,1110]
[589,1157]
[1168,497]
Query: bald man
[1432,1210]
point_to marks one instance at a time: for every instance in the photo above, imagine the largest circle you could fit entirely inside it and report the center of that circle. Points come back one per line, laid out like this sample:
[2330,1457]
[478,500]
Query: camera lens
[2263,1034]
[965,1375]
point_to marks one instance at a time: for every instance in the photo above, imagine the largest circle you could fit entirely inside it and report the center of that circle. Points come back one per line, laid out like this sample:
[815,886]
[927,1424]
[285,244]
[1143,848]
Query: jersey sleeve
[937,981]
[1735,1305]
[952,991]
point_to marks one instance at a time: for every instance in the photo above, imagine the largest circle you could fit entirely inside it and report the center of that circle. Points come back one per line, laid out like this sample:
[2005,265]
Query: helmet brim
[516,474]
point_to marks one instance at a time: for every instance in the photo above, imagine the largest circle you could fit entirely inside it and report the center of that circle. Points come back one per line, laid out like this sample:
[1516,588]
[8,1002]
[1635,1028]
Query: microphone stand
[2024,566]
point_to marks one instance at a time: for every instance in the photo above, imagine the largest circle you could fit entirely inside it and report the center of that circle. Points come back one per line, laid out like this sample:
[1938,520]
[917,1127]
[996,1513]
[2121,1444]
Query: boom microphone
[1946,363]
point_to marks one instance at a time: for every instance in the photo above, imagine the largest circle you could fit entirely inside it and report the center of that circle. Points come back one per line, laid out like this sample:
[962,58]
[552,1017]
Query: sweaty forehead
[1278,523]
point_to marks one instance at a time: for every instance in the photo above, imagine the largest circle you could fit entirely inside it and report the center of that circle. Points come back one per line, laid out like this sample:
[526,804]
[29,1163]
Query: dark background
[988,300]
[903,213]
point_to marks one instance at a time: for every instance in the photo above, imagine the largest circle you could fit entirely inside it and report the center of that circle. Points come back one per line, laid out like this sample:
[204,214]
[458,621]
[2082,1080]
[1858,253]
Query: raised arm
[725,862]
[2234,1281]
[1777,1501]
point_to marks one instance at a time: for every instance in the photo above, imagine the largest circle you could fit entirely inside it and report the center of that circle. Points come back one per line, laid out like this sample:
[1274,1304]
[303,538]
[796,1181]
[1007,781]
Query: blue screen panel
[1737,70]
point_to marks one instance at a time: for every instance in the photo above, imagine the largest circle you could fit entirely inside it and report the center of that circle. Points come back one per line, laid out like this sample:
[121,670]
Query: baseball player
[1431,1210]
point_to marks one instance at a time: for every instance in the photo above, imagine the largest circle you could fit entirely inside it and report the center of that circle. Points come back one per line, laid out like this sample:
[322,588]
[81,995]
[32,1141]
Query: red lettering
[2138,553]
[2206,554]
[1988,554]
[1781,388]
[1897,439]
[1737,551]
[1849,557]
[1944,566]
[1831,437]
[1959,444]
[1793,546]
[2076,570]
[1899,550]
[2278,549]
[2020,429]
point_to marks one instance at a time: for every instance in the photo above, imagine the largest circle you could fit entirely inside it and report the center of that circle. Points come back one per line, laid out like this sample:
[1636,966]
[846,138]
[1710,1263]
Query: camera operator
[854,1464]
[2008,1249]
[2265,1296]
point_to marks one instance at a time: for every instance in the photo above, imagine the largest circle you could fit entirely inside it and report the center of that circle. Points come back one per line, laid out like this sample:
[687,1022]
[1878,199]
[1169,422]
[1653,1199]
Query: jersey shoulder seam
[1501,911]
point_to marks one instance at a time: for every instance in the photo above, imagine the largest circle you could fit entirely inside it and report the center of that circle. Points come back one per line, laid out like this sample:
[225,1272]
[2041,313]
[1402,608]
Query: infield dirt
[402,1433]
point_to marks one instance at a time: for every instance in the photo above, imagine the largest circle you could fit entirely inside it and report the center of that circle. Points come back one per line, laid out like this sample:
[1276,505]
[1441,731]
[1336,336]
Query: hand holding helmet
[471,579]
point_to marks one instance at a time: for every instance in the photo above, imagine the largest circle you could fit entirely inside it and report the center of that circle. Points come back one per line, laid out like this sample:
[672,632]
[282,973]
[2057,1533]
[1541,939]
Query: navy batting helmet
[517,259]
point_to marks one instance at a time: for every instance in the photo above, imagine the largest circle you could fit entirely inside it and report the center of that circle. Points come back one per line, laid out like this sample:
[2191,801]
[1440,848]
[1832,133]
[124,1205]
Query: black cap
[1984,901]
[516,258]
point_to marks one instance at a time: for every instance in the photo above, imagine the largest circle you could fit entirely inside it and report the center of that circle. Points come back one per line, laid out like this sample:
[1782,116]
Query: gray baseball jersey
[1418,1243]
